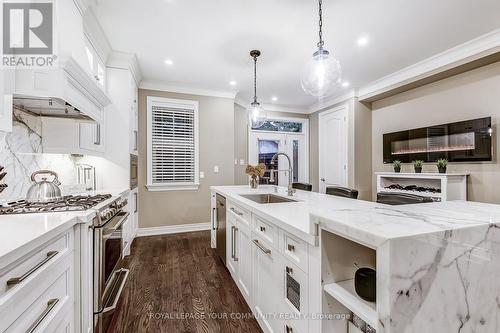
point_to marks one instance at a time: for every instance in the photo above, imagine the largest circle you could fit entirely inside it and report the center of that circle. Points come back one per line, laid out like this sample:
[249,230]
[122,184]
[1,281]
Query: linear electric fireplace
[464,141]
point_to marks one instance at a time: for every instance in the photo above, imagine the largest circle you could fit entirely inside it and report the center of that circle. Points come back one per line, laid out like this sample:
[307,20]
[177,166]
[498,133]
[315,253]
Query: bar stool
[302,186]
[342,192]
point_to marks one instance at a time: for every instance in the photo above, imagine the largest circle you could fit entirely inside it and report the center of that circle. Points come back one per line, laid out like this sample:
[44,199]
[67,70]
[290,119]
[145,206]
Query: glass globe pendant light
[322,73]
[256,113]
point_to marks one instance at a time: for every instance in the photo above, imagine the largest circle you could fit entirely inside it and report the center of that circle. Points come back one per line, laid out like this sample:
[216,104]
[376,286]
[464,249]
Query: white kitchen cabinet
[131,225]
[244,255]
[60,136]
[95,64]
[38,288]
[69,136]
[231,239]
[7,78]
[92,136]
[266,285]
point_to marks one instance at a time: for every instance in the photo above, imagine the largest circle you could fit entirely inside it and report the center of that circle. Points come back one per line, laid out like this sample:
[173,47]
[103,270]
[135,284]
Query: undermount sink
[266,198]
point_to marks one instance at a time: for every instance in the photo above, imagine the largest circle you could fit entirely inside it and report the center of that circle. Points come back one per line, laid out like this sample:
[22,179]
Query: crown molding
[182,89]
[326,103]
[273,107]
[472,50]
[128,61]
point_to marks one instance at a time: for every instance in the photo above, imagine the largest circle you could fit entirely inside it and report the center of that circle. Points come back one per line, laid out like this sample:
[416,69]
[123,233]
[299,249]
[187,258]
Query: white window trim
[174,103]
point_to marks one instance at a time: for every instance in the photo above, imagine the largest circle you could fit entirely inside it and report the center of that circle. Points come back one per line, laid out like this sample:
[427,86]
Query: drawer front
[266,230]
[294,250]
[28,268]
[295,295]
[244,216]
[51,302]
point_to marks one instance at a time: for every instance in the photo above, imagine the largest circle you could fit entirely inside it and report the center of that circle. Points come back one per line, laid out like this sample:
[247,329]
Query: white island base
[437,264]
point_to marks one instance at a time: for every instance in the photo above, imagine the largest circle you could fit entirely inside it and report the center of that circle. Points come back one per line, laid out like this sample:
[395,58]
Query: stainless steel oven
[133,171]
[109,274]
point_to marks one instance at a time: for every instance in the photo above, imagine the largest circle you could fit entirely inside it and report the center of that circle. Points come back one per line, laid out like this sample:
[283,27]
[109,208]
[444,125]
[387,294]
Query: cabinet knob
[263,229]
[291,248]
[288,329]
[289,270]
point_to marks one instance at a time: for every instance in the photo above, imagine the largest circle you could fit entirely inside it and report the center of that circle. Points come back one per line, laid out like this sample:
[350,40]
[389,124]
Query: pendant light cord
[255,79]
[321,42]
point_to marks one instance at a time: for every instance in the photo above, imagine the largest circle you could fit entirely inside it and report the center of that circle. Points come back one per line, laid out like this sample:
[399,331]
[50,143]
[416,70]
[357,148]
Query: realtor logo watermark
[28,34]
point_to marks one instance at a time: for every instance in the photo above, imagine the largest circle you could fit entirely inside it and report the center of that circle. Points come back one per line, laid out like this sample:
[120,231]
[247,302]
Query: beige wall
[216,148]
[359,148]
[241,139]
[470,95]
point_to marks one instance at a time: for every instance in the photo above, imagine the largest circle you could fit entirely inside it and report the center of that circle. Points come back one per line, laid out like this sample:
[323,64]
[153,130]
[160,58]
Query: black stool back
[342,192]
[302,186]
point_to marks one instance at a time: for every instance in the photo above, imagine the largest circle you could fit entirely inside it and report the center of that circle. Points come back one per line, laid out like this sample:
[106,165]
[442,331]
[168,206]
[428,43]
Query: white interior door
[333,147]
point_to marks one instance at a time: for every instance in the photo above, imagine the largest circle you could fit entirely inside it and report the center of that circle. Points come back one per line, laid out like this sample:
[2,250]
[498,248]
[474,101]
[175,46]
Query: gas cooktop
[68,203]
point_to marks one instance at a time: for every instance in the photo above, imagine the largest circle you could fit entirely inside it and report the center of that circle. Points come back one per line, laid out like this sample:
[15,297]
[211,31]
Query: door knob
[322,179]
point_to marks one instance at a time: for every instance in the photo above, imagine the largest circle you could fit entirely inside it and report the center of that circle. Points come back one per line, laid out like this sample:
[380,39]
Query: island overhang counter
[437,264]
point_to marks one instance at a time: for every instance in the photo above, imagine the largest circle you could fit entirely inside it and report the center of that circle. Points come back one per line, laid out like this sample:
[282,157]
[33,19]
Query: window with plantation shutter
[172,144]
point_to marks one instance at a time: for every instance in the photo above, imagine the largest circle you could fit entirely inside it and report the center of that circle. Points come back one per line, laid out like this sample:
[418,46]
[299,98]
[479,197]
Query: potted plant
[442,163]
[397,166]
[255,172]
[417,164]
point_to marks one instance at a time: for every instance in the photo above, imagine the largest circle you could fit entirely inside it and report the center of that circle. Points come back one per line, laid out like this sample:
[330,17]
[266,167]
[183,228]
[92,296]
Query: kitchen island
[437,264]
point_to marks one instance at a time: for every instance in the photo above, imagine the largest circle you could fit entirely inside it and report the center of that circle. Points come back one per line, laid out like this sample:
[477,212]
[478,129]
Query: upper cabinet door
[7,78]
[96,65]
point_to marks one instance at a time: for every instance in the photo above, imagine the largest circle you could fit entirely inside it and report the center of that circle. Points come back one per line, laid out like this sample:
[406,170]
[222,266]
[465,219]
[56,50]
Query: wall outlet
[202,174]
[216,168]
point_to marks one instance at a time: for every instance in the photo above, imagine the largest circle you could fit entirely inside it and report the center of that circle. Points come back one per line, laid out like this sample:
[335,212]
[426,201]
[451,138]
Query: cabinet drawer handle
[19,279]
[236,212]
[50,305]
[262,248]
[288,329]
[291,248]
[263,229]
[235,258]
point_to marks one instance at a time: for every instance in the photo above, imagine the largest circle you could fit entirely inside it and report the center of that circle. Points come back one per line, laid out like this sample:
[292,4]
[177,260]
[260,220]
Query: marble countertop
[19,231]
[364,222]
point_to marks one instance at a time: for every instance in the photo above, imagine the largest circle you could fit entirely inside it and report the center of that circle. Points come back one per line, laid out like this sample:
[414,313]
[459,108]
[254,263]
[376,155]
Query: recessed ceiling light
[345,84]
[274,98]
[169,62]
[362,41]
[232,83]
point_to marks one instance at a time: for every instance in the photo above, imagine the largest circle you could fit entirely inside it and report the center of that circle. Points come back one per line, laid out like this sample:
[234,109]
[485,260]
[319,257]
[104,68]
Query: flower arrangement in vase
[255,172]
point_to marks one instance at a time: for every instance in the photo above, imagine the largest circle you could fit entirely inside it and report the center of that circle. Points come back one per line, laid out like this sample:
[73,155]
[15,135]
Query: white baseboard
[173,229]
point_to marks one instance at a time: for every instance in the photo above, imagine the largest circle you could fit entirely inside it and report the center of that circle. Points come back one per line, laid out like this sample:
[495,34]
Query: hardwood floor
[178,284]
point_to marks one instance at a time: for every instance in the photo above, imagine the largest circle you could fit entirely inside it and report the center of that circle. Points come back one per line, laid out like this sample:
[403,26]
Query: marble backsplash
[21,154]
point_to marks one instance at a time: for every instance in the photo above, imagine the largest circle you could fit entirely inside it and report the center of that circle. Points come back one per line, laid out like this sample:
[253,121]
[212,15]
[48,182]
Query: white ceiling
[209,40]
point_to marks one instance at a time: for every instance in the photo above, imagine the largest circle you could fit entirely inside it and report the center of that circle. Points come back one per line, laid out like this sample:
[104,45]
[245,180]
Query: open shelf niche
[445,186]
[339,257]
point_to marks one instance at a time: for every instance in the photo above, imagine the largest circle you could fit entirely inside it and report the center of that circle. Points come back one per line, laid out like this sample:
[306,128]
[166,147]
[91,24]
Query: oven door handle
[109,232]
[119,293]
[124,217]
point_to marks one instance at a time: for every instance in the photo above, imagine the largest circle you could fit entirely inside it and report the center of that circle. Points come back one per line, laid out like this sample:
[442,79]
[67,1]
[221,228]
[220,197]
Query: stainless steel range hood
[48,107]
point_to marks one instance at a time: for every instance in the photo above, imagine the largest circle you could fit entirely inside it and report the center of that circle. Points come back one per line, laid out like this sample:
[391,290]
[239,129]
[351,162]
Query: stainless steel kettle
[44,190]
